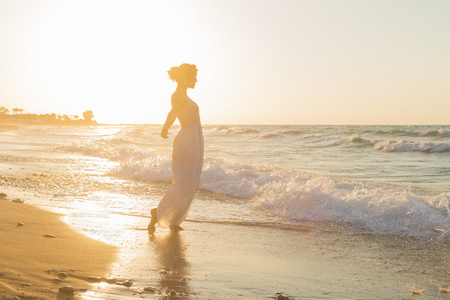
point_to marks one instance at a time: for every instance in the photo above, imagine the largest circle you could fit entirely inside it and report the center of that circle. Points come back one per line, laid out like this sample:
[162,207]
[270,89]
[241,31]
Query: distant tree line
[18,116]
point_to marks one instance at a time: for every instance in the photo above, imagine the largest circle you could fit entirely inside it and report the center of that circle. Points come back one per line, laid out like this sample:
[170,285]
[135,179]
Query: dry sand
[28,260]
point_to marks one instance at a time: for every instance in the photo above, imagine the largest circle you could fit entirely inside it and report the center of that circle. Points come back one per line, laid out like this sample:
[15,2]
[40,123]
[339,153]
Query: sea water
[390,180]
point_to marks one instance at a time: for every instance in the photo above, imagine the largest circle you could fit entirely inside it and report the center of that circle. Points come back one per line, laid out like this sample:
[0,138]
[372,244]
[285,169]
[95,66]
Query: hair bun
[182,71]
[173,73]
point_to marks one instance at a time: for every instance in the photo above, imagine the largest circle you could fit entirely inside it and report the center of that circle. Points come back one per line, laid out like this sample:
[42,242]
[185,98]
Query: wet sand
[236,261]
[42,254]
[212,260]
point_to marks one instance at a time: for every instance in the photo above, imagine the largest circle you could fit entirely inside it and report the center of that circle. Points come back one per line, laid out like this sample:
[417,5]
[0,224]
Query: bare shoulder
[178,99]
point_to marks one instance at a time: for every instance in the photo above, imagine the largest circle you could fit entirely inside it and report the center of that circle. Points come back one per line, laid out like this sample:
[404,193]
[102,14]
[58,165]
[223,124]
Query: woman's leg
[151,226]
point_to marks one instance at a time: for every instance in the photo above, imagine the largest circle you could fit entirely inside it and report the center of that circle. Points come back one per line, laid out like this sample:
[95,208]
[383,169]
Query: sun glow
[259,62]
[111,57]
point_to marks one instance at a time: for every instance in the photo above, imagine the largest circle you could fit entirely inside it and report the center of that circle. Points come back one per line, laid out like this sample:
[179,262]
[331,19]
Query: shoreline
[40,253]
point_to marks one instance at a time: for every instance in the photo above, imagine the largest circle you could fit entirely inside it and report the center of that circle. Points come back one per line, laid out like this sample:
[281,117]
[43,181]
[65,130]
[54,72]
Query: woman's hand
[164,132]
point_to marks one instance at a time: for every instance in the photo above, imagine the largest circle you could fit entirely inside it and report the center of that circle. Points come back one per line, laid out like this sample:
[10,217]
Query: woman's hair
[182,72]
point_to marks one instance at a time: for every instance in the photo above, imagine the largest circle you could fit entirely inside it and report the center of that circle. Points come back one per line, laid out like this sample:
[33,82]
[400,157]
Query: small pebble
[62,275]
[50,236]
[150,289]
[66,289]
[282,297]
[94,279]
[56,270]
[3,195]
[19,224]
[17,200]
[173,293]
[111,280]
[126,283]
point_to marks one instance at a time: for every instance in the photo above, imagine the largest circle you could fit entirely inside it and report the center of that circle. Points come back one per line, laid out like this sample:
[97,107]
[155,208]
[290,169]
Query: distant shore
[11,123]
[22,119]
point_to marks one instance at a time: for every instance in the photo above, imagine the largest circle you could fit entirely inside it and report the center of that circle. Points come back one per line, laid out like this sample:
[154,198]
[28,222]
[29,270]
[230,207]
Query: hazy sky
[260,62]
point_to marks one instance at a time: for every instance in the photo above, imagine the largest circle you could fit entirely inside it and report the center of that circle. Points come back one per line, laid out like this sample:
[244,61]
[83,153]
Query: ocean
[386,181]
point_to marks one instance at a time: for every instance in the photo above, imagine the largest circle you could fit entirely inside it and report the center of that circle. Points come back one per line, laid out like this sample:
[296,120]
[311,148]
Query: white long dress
[187,162]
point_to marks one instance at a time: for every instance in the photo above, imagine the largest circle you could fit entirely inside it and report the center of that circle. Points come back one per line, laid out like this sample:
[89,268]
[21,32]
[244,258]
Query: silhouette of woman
[187,155]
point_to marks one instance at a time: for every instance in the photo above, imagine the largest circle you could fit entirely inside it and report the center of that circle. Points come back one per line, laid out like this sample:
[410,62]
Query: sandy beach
[39,254]
[229,261]
[212,260]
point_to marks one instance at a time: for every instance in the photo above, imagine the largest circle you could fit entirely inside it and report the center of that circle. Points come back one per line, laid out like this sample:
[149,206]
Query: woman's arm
[172,115]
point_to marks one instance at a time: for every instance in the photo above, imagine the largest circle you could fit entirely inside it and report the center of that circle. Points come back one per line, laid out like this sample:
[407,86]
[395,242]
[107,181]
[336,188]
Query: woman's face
[192,80]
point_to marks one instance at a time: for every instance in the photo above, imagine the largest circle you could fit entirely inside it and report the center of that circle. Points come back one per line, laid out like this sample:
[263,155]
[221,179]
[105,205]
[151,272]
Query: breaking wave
[297,196]
[402,145]
[424,133]
[294,196]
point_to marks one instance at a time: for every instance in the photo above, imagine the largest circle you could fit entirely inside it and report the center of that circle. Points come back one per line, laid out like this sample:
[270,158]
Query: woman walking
[187,155]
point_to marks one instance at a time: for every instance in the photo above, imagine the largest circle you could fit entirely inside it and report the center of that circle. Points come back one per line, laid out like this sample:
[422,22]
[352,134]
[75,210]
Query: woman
[187,156]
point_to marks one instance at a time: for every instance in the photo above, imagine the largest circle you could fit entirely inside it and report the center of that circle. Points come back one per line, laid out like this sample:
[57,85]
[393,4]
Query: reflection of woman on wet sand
[187,155]
[171,257]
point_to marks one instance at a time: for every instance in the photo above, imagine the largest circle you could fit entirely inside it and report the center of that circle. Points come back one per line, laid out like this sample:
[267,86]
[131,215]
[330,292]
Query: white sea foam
[402,145]
[231,130]
[297,196]
[273,134]
[153,168]
[381,208]
[279,133]
[108,149]
[424,133]
[270,134]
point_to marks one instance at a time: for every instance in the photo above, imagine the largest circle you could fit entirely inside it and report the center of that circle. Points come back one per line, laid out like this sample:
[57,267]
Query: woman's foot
[151,226]
[176,228]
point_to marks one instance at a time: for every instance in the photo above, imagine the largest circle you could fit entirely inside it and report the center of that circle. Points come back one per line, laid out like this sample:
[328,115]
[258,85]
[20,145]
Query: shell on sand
[416,292]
